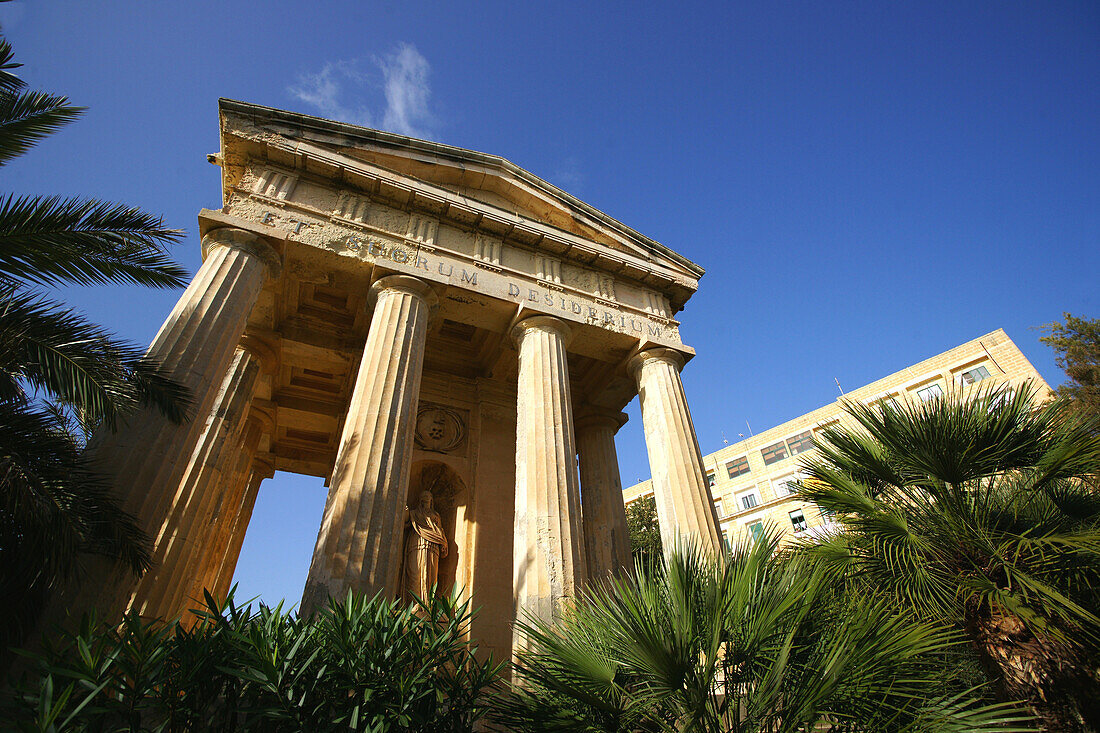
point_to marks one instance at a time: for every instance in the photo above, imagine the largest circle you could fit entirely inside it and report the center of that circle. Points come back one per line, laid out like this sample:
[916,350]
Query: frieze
[429,262]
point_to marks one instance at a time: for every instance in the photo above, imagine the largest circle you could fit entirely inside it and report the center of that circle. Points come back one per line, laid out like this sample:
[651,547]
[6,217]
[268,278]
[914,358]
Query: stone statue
[424,547]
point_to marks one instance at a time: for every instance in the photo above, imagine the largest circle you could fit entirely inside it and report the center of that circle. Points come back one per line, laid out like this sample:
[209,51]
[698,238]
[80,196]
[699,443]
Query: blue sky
[866,183]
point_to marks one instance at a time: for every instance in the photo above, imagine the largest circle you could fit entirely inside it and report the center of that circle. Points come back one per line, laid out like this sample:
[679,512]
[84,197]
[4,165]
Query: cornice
[460,156]
[409,193]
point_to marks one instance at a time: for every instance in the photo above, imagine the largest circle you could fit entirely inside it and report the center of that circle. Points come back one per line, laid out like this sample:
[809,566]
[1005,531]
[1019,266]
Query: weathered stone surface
[178,554]
[218,574]
[422,393]
[549,549]
[359,545]
[149,455]
[219,521]
[606,537]
[685,509]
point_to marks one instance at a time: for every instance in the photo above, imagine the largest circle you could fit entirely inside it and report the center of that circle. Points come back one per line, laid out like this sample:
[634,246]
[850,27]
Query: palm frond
[54,504]
[959,714]
[56,350]
[9,82]
[50,240]
[27,117]
[762,642]
[976,509]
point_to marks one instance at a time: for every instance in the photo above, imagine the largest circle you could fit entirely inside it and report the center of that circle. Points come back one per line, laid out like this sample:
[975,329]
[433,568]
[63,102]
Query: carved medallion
[439,429]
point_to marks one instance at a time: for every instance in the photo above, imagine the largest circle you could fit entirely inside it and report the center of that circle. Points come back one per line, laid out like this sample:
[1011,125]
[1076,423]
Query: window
[738,467]
[798,521]
[749,500]
[774,453]
[800,443]
[710,478]
[726,541]
[756,529]
[930,392]
[974,375]
[718,507]
[825,513]
[782,485]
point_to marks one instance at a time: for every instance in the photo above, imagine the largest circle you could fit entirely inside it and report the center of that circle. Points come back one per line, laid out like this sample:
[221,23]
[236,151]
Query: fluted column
[359,544]
[228,483]
[186,533]
[548,555]
[606,537]
[685,509]
[221,578]
[148,455]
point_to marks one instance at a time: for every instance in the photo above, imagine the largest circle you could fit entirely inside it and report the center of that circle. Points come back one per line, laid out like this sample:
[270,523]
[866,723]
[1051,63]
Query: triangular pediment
[488,181]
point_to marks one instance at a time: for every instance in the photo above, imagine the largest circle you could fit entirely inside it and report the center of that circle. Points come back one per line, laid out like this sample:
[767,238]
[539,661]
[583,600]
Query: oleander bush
[359,665]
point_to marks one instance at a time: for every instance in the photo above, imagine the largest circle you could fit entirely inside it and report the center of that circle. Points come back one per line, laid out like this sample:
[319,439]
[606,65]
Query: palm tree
[757,643]
[60,375]
[979,510]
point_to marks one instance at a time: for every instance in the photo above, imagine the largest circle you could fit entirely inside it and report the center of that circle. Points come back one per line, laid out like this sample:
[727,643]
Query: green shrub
[361,664]
[759,643]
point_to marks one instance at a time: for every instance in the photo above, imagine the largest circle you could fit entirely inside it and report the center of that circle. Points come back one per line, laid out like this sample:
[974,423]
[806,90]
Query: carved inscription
[424,260]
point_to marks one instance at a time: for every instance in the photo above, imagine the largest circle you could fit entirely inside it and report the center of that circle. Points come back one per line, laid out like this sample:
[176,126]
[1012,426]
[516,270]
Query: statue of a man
[425,546]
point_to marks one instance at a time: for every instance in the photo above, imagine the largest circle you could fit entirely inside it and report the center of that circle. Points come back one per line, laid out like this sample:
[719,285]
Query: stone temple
[396,316]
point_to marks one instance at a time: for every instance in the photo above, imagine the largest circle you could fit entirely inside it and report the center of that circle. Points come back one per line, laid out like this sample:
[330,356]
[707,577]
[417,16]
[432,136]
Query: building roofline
[830,410]
[461,156]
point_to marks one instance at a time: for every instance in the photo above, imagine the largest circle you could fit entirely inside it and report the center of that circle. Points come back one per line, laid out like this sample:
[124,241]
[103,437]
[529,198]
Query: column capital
[414,286]
[542,323]
[263,464]
[261,350]
[262,416]
[599,419]
[245,241]
[668,356]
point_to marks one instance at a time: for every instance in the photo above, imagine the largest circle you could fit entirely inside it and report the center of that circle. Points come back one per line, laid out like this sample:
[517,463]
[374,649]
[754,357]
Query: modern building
[749,480]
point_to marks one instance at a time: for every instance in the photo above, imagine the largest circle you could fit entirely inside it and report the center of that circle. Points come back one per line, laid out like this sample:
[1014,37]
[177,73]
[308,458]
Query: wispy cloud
[337,91]
[325,91]
[407,91]
[569,175]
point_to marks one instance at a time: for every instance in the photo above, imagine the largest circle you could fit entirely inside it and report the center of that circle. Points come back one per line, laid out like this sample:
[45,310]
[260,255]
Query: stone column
[359,544]
[186,534]
[548,555]
[221,579]
[148,455]
[606,538]
[685,509]
[229,479]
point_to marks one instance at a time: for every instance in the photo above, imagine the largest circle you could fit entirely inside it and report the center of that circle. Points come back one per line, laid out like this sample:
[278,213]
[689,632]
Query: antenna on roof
[724,441]
[838,385]
[751,434]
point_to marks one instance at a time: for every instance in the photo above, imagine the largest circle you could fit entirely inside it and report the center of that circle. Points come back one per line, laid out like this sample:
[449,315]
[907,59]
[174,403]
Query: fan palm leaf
[975,510]
[761,642]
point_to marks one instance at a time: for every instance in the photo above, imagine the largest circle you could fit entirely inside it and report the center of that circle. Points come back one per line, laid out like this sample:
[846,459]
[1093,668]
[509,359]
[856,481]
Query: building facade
[749,479]
[447,339]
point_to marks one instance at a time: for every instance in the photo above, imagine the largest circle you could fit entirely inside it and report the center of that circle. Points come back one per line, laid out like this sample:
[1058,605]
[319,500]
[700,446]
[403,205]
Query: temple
[394,315]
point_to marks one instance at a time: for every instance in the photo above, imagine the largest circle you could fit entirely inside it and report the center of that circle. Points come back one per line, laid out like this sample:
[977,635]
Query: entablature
[249,146]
